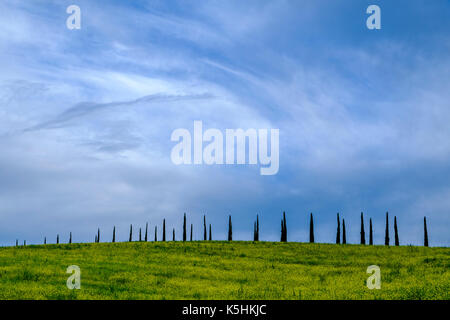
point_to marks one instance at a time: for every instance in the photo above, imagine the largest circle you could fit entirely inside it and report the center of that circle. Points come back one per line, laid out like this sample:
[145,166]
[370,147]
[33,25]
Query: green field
[223,270]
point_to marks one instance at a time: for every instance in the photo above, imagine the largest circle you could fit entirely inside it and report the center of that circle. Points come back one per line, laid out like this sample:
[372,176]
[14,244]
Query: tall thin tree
[344,235]
[98,235]
[131,233]
[184,227]
[311,229]
[17,242]
[164,230]
[140,234]
[210,235]
[114,234]
[156,233]
[146,232]
[283,228]
[173,234]
[230,229]
[363,233]
[386,236]
[57,239]
[425,232]
[191,231]
[338,232]
[70,238]
[204,227]
[45,240]
[256,229]
[397,242]
[370,232]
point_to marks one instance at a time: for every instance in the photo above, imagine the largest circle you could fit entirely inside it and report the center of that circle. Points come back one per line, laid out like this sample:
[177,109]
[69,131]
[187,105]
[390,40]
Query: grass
[223,270]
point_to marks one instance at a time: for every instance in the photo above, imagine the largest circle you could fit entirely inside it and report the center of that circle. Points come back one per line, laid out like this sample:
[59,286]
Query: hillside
[223,270]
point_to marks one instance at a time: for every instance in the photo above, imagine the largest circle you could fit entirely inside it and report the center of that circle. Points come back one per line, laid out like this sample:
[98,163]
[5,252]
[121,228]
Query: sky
[86,117]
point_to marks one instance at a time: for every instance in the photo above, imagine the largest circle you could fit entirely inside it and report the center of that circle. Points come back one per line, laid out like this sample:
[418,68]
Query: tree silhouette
[230,229]
[338,232]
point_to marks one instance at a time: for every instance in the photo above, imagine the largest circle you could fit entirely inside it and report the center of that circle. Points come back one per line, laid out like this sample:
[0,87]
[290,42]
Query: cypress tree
[338,232]
[191,231]
[98,235]
[57,239]
[256,229]
[370,233]
[17,242]
[156,233]
[386,236]
[164,230]
[425,232]
[114,234]
[210,236]
[311,229]
[184,227]
[344,235]
[397,242]
[363,233]
[173,234]
[284,228]
[146,232]
[140,235]
[204,227]
[70,238]
[230,229]
[131,233]
[282,231]
[45,240]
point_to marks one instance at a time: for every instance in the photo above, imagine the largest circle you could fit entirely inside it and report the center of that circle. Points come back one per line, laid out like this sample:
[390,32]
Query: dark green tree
[98,235]
[70,238]
[146,232]
[140,234]
[386,236]
[114,234]
[191,231]
[204,227]
[173,234]
[370,233]
[230,229]
[184,227]
[363,233]
[397,242]
[425,237]
[256,229]
[164,230]
[156,233]
[57,239]
[283,228]
[210,236]
[338,232]
[131,233]
[311,229]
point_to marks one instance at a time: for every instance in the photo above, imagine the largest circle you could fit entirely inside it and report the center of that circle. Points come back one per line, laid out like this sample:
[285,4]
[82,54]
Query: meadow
[223,270]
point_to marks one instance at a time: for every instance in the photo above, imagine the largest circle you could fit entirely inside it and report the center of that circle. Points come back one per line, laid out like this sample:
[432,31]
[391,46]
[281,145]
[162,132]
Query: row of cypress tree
[256,236]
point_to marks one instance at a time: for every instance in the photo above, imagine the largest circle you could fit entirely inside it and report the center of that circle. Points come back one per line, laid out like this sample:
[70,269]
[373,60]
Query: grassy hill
[223,270]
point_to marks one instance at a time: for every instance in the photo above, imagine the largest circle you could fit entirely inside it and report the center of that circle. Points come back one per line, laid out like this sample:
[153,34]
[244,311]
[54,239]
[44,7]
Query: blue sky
[86,116]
